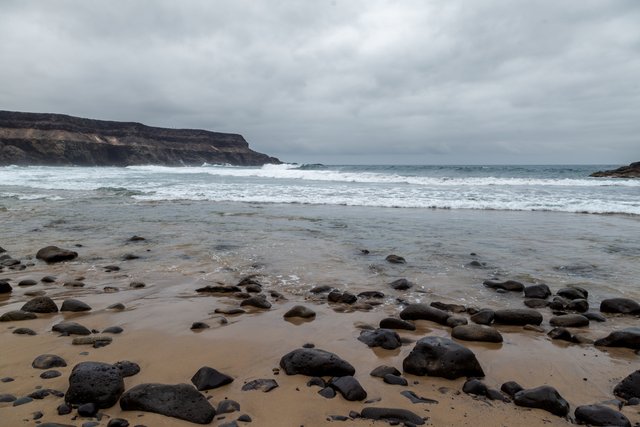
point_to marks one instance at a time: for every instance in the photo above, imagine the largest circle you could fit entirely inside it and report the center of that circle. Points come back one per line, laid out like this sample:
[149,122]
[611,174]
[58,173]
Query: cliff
[56,139]
[631,171]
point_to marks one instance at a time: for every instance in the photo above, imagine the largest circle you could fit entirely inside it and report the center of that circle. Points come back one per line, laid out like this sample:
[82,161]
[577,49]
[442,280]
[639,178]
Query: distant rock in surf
[631,171]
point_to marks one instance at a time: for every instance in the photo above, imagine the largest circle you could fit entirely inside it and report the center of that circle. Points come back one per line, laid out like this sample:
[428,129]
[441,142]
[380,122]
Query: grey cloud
[344,81]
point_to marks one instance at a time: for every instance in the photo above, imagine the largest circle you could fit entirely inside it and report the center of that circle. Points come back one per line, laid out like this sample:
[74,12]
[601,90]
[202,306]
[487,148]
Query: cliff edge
[56,139]
[631,171]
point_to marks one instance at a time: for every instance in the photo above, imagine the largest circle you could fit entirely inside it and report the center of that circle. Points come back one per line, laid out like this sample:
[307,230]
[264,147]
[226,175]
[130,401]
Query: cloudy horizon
[344,82]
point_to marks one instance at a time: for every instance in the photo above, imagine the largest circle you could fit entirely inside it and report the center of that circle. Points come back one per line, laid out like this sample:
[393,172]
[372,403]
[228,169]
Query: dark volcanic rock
[562,334]
[48,361]
[343,297]
[394,415]
[327,393]
[208,378]
[600,415]
[536,303]
[199,325]
[596,317]
[94,382]
[53,254]
[424,312]
[454,321]
[34,139]
[523,316]
[47,375]
[300,311]
[401,284]
[40,305]
[371,294]
[573,292]
[580,305]
[631,171]
[5,287]
[48,279]
[24,331]
[393,323]
[227,406]
[414,398]
[620,305]
[384,338]
[511,388]
[118,422]
[71,328]
[219,289]
[27,283]
[509,285]
[541,291]
[321,289]
[629,387]
[349,388]
[262,384]
[74,305]
[127,368]
[383,370]
[569,321]
[454,308]
[180,401]
[113,330]
[16,315]
[441,357]
[544,397]
[395,259]
[88,410]
[483,317]
[475,386]
[395,380]
[629,338]
[476,333]
[258,301]
[315,363]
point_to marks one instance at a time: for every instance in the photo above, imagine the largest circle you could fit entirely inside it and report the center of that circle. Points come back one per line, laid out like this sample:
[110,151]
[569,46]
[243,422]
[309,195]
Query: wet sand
[157,336]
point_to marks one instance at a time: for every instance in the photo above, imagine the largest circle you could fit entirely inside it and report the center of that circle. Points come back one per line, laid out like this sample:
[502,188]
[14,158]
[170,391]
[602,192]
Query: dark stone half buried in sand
[483,317]
[349,388]
[208,378]
[476,333]
[300,311]
[24,331]
[74,305]
[385,338]
[27,283]
[16,315]
[441,357]
[540,291]
[401,284]
[53,254]
[629,387]
[629,338]
[544,397]
[5,287]
[383,370]
[258,301]
[508,285]
[315,363]
[569,321]
[40,305]
[94,382]
[180,401]
[71,328]
[48,361]
[395,259]
[262,384]
[219,289]
[127,368]
[620,305]
[395,415]
[518,316]
[573,292]
[393,323]
[424,312]
[600,415]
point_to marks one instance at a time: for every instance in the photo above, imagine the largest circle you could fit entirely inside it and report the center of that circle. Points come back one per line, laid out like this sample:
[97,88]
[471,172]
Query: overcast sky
[343,81]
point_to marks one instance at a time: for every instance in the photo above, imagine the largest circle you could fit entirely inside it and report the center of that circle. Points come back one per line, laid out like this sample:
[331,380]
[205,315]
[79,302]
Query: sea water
[303,226]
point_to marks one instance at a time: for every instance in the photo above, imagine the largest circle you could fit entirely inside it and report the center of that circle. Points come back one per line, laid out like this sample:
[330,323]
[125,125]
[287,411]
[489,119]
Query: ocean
[302,226]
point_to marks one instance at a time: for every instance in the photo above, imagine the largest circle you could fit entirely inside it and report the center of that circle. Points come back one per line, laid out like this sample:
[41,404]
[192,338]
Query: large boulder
[180,401]
[315,363]
[600,415]
[518,316]
[40,304]
[629,338]
[620,305]
[94,382]
[476,333]
[544,397]
[441,357]
[53,254]
[629,387]
[424,312]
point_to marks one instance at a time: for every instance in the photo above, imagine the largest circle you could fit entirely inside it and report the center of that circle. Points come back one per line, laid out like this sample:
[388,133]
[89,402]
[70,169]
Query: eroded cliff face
[55,139]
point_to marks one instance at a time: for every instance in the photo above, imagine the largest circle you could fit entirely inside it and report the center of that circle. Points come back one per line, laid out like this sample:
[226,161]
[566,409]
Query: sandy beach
[156,322]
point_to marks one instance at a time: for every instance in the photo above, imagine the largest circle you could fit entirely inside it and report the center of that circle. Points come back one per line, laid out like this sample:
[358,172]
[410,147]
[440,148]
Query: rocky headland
[60,140]
[631,171]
